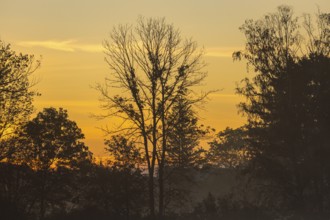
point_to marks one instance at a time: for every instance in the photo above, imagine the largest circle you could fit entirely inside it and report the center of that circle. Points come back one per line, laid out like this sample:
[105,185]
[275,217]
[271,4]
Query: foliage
[184,136]
[124,152]
[117,192]
[46,171]
[23,191]
[15,94]
[50,144]
[229,149]
[286,108]
[51,140]
[16,183]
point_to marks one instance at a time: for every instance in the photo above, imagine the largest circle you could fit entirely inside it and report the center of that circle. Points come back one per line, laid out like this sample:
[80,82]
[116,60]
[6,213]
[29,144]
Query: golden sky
[68,34]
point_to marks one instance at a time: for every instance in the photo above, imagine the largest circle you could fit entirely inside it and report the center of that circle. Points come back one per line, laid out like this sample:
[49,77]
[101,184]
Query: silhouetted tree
[184,153]
[115,191]
[229,149]
[152,65]
[15,94]
[127,185]
[184,136]
[286,108]
[125,153]
[50,143]
[52,140]
[16,184]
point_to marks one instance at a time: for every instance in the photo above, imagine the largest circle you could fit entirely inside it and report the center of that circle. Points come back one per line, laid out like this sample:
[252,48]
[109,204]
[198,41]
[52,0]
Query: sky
[67,36]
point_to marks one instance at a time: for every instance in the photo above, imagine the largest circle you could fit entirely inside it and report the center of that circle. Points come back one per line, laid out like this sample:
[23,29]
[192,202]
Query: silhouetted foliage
[51,140]
[50,144]
[184,154]
[184,150]
[15,94]
[287,112]
[229,149]
[22,189]
[47,172]
[16,184]
[125,153]
[116,191]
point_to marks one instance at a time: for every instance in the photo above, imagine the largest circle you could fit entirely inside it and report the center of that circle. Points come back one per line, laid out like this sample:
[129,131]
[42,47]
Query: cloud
[73,46]
[221,51]
[90,47]
[67,45]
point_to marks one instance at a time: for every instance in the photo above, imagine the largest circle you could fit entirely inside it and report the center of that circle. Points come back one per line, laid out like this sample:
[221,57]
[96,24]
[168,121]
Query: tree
[124,152]
[229,149]
[50,141]
[116,191]
[184,154]
[284,106]
[15,94]
[152,65]
[184,136]
[16,185]
[309,117]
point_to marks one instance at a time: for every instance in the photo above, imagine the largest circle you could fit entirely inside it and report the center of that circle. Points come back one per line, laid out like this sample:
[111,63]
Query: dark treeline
[276,166]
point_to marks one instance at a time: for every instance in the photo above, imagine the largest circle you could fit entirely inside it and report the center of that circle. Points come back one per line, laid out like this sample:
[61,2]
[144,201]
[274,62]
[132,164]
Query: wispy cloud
[74,45]
[67,45]
[221,51]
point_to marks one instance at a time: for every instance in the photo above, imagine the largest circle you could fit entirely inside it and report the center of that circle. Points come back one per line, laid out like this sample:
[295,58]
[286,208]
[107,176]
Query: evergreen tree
[286,108]
[184,136]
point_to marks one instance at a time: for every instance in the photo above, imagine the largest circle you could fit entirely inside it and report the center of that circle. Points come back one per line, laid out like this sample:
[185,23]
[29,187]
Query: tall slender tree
[152,65]
[184,150]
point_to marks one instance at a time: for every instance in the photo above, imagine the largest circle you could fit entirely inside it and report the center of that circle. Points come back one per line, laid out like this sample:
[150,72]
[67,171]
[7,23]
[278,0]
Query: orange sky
[68,34]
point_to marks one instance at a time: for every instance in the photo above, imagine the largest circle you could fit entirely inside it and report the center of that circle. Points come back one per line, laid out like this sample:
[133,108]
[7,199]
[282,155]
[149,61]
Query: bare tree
[151,65]
[318,32]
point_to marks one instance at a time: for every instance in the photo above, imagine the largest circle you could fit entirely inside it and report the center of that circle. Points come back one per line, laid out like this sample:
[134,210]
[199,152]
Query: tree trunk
[161,163]
[151,196]
[154,151]
[161,190]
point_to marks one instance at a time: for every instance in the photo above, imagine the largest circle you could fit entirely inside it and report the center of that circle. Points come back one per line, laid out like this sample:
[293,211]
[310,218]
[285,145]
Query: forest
[163,162]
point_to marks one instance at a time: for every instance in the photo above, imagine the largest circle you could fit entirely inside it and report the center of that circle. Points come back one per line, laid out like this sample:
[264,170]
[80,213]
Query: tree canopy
[286,105]
[16,95]
[51,140]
